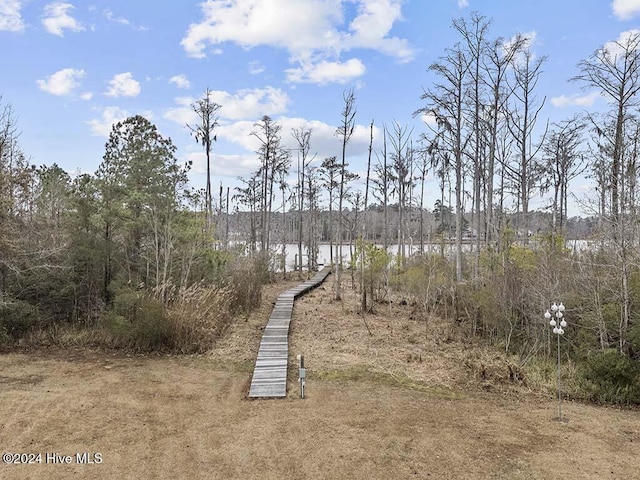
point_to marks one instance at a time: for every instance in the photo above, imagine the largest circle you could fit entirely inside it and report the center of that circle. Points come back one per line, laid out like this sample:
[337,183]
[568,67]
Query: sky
[70,69]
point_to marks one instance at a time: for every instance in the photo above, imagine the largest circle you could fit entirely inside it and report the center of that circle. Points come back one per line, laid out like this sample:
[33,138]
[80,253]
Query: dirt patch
[378,406]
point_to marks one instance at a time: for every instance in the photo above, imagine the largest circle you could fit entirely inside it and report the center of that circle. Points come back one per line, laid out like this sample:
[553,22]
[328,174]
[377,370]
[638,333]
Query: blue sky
[72,68]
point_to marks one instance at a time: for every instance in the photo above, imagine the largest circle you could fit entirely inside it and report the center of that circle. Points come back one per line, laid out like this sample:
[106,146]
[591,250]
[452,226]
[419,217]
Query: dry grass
[198,315]
[398,403]
[398,340]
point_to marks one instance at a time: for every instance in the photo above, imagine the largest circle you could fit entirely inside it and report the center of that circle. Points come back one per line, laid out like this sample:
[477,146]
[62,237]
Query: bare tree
[499,56]
[402,178]
[274,159]
[563,162]
[344,132]
[424,169]
[440,161]
[614,70]
[250,196]
[523,116]
[329,170]
[474,35]
[446,101]
[313,202]
[207,111]
[303,138]
[382,186]
[284,189]
[363,290]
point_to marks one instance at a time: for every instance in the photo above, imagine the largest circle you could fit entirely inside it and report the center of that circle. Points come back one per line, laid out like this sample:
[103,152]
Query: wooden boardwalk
[270,373]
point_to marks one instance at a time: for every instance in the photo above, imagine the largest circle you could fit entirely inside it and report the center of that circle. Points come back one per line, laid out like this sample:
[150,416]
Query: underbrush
[17,317]
[197,316]
[503,306]
[167,318]
[608,377]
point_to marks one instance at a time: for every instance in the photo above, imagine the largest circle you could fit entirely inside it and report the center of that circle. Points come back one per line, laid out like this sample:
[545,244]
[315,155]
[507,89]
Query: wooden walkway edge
[270,373]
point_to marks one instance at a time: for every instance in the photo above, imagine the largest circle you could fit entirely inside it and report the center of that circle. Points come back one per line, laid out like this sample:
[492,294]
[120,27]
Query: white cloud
[325,72]
[244,161]
[287,24]
[180,81]
[63,82]
[463,3]
[313,31]
[244,104]
[625,9]
[10,17]
[429,119]
[228,165]
[86,96]
[102,126]
[239,133]
[123,85]
[575,100]
[371,27]
[109,15]
[256,67]
[616,48]
[528,39]
[57,19]
[182,114]
[251,103]
[324,141]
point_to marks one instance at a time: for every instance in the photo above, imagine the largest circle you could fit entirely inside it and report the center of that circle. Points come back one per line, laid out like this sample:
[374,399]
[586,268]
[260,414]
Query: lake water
[324,252]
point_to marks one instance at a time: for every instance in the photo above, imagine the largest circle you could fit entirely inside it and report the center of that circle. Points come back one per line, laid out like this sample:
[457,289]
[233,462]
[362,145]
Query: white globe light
[547,315]
[563,324]
[554,307]
[561,307]
[560,331]
[559,314]
[555,329]
[552,323]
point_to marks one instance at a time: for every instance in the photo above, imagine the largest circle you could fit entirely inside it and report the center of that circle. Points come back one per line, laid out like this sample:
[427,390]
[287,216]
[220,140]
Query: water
[324,252]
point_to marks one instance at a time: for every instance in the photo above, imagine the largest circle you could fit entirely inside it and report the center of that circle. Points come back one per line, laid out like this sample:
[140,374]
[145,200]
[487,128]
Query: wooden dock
[270,373]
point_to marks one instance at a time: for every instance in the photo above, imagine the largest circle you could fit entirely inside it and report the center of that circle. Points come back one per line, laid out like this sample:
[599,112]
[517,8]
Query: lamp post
[558,323]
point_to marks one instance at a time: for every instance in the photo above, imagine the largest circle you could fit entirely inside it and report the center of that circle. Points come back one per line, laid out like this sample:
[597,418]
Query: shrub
[246,277]
[52,293]
[612,378]
[429,280]
[197,316]
[17,317]
[138,321]
[523,258]
[375,262]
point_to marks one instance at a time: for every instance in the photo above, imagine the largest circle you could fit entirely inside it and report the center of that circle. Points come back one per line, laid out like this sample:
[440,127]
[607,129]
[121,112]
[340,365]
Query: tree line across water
[132,256]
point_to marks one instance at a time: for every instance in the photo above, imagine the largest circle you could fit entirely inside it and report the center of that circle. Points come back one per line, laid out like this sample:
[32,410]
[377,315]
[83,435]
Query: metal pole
[558,324]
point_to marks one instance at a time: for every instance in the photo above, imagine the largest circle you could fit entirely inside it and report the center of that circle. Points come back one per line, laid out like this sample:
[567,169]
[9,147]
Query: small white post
[302,375]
